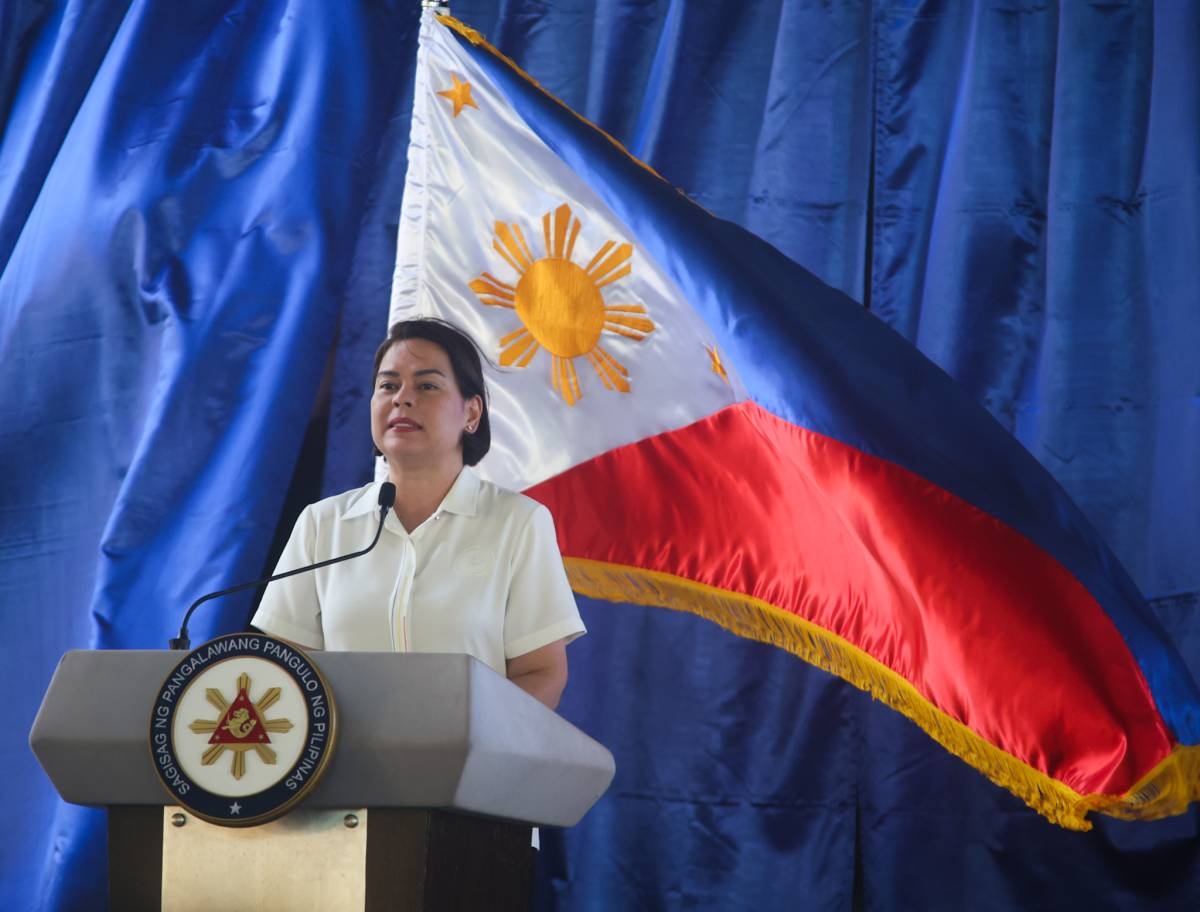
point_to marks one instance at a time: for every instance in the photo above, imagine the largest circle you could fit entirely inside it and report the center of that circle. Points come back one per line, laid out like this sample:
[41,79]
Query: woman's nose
[402,396]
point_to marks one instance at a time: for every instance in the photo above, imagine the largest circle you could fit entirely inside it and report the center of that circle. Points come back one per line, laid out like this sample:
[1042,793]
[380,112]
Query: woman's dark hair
[464,361]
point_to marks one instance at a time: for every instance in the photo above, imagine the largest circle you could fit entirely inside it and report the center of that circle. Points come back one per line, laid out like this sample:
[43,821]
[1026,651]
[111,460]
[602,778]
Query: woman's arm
[542,673]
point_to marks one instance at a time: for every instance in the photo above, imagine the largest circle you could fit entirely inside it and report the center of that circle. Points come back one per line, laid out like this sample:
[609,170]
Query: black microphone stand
[387,496]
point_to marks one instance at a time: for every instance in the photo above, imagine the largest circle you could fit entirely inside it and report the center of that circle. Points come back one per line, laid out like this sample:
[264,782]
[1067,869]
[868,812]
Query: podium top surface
[414,730]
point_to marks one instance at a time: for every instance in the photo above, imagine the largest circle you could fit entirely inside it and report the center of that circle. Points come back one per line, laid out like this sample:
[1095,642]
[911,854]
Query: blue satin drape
[197,221]
[182,192]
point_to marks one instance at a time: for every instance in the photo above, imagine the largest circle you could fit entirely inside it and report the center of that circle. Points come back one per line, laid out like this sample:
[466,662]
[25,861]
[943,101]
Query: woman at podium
[462,566]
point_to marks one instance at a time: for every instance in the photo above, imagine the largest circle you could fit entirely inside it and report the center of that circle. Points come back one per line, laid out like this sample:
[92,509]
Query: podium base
[363,859]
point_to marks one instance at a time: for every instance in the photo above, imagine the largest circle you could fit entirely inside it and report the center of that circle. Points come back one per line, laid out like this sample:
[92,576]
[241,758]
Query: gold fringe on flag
[1166,790]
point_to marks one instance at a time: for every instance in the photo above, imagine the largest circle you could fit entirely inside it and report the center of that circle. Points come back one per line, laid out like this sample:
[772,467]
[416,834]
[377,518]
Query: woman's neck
[420,490]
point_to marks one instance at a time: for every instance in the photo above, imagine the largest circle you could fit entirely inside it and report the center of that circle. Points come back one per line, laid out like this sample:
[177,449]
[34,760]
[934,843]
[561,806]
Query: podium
[440,769]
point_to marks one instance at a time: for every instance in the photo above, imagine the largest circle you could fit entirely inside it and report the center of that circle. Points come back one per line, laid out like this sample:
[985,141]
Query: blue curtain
[197,218]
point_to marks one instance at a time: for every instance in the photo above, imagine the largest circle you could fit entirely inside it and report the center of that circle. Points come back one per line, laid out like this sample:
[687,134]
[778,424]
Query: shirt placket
[402,596]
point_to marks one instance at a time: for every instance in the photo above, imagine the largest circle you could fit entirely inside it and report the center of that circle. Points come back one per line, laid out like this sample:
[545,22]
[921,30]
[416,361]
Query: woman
[462,565]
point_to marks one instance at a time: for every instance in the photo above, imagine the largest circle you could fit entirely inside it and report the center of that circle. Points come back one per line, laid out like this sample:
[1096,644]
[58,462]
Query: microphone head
[387,495]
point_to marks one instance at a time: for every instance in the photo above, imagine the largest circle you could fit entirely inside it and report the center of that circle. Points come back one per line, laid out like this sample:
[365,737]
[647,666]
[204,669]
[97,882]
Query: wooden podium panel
[327,860]
[439,860]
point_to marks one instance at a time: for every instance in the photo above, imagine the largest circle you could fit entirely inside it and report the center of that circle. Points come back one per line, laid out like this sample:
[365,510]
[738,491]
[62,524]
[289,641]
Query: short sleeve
[541,607]
[290,608]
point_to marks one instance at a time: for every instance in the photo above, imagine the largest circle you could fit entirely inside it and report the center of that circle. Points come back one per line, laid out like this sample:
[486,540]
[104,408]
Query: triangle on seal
[241,722]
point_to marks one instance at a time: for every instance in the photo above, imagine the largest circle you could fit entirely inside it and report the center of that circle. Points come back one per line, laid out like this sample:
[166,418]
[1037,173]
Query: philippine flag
[718,432]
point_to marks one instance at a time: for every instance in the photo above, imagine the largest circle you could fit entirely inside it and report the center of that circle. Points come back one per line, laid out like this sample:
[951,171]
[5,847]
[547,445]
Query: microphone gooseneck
[387,497]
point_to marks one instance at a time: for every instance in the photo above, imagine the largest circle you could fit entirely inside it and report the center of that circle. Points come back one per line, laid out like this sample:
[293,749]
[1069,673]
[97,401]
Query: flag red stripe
[1012,646]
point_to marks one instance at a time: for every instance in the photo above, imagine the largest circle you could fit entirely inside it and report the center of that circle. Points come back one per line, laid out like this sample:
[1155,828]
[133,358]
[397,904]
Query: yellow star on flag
[714,359]
[460,94]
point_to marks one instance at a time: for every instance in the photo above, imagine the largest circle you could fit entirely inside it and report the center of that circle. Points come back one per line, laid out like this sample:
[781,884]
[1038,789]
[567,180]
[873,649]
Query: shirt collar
[462,498]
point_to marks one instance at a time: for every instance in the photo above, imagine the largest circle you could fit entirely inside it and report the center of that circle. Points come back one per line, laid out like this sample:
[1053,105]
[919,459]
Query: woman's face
[418,414]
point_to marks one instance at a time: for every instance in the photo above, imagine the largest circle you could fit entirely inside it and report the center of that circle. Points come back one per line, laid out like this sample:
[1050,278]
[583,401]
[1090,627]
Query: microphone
[387,496]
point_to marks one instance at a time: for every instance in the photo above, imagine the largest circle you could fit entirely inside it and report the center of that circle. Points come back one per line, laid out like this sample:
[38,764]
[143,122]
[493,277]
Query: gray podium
[440,769]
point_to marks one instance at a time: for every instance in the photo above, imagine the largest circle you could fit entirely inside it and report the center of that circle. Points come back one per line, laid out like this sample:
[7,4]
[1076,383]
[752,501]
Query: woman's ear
[474,413]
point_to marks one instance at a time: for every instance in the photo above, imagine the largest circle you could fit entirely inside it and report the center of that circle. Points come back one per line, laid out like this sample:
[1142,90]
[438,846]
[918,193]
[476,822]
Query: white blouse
[482,576]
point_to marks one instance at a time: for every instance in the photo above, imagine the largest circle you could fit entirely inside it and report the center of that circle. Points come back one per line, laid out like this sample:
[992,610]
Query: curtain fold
[182,190]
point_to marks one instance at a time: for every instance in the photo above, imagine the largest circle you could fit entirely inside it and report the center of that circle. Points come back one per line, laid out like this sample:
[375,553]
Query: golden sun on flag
[560,304]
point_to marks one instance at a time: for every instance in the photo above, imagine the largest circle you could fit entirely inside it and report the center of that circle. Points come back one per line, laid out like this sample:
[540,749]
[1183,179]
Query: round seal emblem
[242,729]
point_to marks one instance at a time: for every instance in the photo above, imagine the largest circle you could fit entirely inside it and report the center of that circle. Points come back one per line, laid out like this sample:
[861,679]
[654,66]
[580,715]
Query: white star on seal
[235,808]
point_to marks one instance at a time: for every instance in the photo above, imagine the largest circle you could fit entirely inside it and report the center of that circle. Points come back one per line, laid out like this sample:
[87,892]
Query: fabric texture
[198,217]
[481,576]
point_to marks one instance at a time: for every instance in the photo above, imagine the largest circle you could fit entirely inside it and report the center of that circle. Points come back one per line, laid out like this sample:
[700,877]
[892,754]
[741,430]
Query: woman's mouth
[403,424]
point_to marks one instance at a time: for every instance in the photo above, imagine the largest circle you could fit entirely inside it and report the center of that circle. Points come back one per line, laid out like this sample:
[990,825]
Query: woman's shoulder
[499,500]
[361,500]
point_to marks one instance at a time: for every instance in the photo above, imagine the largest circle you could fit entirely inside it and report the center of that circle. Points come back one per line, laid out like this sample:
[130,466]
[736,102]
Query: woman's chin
[412,458]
